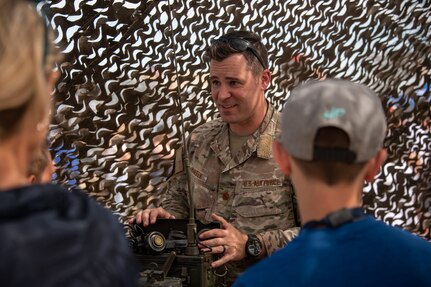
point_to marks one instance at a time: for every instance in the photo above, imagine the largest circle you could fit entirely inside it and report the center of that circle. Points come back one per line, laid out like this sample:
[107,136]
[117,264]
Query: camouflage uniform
[247,189]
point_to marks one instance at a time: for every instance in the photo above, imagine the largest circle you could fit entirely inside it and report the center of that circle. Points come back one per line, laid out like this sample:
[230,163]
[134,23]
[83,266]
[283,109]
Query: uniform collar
[260,141]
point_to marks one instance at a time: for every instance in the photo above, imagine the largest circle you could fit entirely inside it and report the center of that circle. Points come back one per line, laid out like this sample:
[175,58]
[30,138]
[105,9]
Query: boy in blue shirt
[332,135]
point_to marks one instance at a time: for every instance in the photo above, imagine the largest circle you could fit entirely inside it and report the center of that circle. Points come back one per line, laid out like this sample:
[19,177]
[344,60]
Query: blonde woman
[48,236]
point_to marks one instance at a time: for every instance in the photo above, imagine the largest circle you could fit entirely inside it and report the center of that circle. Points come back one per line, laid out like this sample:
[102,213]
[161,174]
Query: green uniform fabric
[246,188]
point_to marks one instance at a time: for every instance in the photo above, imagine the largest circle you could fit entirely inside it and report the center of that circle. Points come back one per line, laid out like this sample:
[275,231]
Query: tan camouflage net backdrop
[128,63]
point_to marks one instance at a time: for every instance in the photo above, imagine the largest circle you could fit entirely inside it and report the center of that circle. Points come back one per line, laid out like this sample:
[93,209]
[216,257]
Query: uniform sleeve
[175,199]
[175,191]
[275,239]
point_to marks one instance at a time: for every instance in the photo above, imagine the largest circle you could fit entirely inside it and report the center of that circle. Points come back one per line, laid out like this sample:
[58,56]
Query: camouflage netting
[133,67]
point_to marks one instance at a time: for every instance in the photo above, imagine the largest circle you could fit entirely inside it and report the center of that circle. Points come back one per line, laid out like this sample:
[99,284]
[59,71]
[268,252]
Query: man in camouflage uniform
[234,177]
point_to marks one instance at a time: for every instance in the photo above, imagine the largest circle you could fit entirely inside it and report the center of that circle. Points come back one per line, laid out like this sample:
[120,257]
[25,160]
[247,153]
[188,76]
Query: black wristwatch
[253,247]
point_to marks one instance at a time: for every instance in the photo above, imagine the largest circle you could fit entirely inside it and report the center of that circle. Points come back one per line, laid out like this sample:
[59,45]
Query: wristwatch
[253,247]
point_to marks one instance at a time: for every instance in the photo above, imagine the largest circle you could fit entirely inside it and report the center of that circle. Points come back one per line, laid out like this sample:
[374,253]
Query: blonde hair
[23,66]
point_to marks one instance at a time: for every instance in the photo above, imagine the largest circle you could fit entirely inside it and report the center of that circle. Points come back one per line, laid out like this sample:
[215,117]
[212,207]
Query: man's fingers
[159,212]
[153,215]
[138,217]
[212,242]
[132,219]
[212,233]
[220,219]
[213,250]
[145,217]
[223,260]
[149,216]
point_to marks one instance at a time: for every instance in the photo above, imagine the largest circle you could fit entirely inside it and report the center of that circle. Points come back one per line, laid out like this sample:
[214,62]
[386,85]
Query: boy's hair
[330,172]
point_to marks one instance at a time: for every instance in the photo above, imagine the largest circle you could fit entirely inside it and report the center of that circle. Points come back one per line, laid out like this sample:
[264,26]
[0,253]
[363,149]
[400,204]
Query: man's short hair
[247,43]
[332,128]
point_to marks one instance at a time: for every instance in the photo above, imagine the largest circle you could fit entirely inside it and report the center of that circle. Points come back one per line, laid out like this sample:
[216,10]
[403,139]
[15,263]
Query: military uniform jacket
[247,189]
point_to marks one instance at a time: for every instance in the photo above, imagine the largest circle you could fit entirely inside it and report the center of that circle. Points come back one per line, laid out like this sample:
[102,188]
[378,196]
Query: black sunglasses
[240,45]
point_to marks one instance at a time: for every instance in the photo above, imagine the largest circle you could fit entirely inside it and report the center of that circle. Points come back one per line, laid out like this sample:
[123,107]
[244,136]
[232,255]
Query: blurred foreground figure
[332,135]
[49,236]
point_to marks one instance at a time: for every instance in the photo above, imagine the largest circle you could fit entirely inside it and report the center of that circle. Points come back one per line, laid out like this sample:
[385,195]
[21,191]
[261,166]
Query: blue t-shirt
[362,253]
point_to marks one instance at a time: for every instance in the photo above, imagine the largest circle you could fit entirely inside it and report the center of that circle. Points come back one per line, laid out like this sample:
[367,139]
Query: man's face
[238,93]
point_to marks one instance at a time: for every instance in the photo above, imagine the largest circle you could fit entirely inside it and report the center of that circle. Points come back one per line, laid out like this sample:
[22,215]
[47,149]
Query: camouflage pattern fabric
[115,129]
[247,188]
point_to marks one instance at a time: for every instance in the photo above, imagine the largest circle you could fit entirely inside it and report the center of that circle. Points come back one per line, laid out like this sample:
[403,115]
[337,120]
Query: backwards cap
[351,107]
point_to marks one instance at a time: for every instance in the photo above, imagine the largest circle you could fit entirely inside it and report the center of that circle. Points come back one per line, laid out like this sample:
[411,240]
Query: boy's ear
[374,164]
[281,157]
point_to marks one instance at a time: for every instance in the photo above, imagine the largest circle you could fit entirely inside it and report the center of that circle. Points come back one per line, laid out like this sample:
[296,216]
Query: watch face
[253,247]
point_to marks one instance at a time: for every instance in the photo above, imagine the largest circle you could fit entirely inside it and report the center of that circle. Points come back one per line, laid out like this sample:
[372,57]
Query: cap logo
[334,113]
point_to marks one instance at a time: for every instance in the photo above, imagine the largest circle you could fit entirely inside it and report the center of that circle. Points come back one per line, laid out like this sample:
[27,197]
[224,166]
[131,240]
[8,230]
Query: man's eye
[234,83]
[215,83]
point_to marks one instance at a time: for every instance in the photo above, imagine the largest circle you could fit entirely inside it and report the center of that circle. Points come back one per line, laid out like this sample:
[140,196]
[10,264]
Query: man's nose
[223,93]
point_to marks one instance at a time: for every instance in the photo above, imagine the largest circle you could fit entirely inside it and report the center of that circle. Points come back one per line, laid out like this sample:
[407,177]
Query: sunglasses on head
[240,45]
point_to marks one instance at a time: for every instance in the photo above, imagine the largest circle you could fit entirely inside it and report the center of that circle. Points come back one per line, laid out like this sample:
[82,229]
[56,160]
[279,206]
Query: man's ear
[32,179]
[281,157]
[373,166]
[266,79]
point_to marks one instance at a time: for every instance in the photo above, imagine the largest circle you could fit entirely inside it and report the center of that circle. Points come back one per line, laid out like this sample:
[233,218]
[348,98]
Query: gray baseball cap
[349,106]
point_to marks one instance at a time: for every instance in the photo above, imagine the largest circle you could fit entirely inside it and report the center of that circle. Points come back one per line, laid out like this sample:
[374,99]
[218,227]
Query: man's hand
[227,241]
[149,216]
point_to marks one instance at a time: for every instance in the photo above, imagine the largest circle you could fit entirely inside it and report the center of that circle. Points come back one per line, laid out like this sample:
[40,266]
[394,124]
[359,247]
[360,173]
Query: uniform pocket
[257,211]
[203,198]
[263,209]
